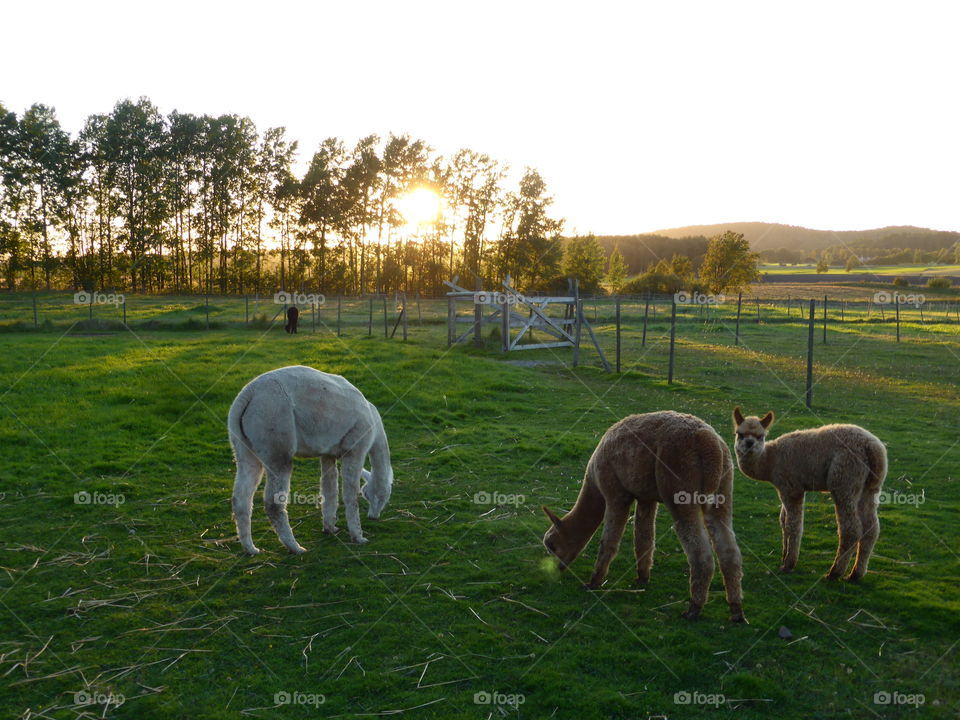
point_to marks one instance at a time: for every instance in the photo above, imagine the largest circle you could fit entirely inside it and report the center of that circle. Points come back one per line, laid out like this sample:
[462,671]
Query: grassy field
[881,270]
[137,589]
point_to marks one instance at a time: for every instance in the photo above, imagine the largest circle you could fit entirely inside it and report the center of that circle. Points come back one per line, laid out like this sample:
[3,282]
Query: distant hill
[764,236]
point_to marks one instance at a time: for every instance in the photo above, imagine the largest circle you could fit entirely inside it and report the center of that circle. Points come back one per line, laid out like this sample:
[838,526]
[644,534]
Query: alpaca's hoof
[692,612]
[595,583]
[360,540]
[252,550]
[787,568]
[854,577]
[832,575]
[737,616]
[642,579]
[297,550]
[331,530]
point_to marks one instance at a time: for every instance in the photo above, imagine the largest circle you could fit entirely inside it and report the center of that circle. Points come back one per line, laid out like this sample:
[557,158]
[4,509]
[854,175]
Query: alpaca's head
[561,545]
[751,432]
[376,491]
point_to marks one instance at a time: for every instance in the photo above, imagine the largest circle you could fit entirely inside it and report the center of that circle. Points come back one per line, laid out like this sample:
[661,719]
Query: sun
[420,206]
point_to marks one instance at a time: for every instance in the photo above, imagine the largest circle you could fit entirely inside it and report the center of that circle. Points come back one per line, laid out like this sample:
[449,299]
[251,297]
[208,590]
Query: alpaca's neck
[379,452]
[585,517]
[759,466]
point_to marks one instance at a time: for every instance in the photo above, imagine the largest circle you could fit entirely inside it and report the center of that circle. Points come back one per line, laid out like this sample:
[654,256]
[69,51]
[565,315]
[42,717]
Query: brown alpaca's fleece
[660,457]
[844,460]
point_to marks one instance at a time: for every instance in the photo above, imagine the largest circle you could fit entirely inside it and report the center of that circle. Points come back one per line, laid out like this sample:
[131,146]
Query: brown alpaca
[661,457]
[844,460]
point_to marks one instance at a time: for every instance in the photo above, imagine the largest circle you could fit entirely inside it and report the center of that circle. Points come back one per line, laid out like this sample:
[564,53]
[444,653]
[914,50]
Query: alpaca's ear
[550,514]
[767,420]
[737,416]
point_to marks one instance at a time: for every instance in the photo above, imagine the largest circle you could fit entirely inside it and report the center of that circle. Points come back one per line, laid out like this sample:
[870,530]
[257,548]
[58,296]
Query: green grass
[153,600]
[885,270]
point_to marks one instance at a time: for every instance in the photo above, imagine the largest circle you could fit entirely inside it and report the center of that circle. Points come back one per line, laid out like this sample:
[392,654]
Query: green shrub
[939,283]
[900,282]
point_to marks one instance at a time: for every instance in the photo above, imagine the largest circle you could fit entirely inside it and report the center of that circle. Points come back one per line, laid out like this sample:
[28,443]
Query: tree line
[144,202]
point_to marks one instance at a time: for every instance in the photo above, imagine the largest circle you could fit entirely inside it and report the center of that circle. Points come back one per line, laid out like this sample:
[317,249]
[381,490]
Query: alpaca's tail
[877,461]
[238,438]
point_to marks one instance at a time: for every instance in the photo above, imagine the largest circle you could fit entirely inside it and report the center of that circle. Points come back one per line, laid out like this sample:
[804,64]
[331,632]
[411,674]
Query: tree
[729,264]
[682,267]
[616,270]
[852,262]
[583,258]
[532,251]
[823,266]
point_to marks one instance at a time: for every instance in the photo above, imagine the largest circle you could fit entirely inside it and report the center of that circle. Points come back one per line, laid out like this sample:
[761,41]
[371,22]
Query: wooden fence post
[824,319]
[739,302]
[897,300]
[673,336]
[809,394]
[646,313]
[618,332]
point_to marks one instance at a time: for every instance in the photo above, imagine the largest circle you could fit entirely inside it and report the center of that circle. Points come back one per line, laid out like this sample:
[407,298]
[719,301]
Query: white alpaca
[297,411]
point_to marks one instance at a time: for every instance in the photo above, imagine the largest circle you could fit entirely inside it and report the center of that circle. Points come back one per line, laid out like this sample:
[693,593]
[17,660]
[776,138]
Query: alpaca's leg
[644,537]
[870,529]
[351,466]
[249,472]
[848,529]
[615,516]
[275,495]
[689,525]
[719,519]
[329,491]
[792,522]
[783,536]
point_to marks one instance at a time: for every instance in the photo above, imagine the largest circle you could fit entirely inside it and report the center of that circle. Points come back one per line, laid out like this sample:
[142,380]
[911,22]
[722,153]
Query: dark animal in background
[293,315]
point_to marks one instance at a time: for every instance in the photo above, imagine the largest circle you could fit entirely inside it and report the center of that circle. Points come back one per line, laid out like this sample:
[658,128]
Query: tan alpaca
[661,457]
[844,460]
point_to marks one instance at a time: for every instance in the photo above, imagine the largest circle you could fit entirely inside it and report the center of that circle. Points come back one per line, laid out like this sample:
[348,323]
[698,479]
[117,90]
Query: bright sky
[640,115]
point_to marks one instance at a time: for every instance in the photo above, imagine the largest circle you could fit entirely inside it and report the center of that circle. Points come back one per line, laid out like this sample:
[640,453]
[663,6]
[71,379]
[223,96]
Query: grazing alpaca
[660,457]
[844,460]
[293,315]
[301,412]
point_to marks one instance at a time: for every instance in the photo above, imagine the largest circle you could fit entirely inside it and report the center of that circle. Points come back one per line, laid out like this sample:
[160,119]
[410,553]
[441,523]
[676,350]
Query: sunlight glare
[420,206]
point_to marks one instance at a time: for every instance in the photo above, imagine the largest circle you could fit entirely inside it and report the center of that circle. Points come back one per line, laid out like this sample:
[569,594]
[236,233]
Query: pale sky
[639,115]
